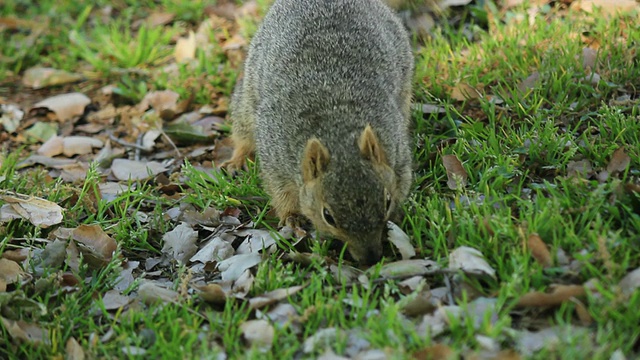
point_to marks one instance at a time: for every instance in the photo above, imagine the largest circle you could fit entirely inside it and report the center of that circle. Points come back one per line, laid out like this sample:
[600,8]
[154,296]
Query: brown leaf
[462,92]
[212,293]
[10,272]
[65,106]
[619,161]
[607,7]
[558,295]
[456,174]
[23,331]
[73,350]
[539,250]
[435,352]
[583,313]
[160,18]
[38,211]
[95,241]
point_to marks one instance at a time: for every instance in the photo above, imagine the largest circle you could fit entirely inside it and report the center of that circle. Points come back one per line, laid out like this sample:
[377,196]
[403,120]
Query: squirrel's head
[350,195]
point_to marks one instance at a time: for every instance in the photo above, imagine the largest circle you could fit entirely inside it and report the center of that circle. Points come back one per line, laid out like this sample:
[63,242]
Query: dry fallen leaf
[539,250]
[10,272]
[10,117]
[79,145]
[180,243]
[73,350]
[589,57]
[470,261]
[558,295]
[462,92]
[185,48]
[65,106]
[212,293]
[607,7]
[149,292]
[272,297]
[456,174]
[529,342]
[37,211]
[529,83]
[23,331]
[400,240]
[579,169]
[124,169]
[52,147]
[408,268]
[630,283]
[41,77]
[97,247]
[232,268]
[215,250]
[435,352]
[619,161]
[258,333]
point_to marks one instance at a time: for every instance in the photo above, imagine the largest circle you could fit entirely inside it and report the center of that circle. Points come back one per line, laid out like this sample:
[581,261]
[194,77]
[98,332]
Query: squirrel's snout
[367,253]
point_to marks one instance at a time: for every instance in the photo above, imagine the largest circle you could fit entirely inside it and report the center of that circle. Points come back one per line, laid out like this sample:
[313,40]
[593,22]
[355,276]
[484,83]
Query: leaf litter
[222,257]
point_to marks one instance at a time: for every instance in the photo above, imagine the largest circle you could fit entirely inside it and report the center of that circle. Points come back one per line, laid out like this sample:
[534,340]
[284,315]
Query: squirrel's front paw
[233,165]
[293,221]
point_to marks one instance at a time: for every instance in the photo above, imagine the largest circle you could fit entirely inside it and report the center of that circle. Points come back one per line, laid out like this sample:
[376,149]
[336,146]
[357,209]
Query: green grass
[516,151]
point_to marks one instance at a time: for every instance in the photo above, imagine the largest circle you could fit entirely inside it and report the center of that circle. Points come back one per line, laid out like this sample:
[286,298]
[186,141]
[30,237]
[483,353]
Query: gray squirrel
[325,103]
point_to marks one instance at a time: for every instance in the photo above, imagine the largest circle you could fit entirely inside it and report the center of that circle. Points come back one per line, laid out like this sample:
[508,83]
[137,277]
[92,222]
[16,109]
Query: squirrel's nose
[373,255]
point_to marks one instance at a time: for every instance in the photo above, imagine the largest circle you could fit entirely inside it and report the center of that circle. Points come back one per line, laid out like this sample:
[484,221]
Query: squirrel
[325,104]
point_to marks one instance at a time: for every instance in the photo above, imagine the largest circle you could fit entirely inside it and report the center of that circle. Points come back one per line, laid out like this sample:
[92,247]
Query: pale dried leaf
[400,240]
[185,48]
[321,339]
[132,351]
[52,147]
[125,277]
[539,250]
[10,116]
[37,211]
[456,174]
[409,268]
[65,106]
[215,250]
[529,342]
[160,18]
[73,350]
[124,169]
[41,77]
[258,333]
[529,83]
[79,145]
[607,7]
[256,241]
[232,268]
[470,261]
[630,283]
[589,57]
[448,3]
[51,258]
[580,169]
[112,300]
[180,243]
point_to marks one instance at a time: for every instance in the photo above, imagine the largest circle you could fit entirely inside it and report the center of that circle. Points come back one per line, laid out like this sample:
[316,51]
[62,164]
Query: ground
[120,237]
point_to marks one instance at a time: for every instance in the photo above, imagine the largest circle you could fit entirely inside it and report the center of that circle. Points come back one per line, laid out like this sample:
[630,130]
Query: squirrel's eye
[387,196]
[327,217]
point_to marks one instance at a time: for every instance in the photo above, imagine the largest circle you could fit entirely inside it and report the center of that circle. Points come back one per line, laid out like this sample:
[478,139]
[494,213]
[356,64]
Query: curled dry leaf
[52,147]
[96,246]
[65,106]
[212,293]
[41,77]
[539,250]
[456,174]
[37,211]
[470,261]
[124,169]
[558,295]
[273,297]
[401,241]
[180,243]
[10,272]
[619,161]
[258,333]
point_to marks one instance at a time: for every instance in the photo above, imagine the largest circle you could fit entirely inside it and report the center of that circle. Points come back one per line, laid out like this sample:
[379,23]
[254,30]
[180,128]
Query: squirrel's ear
[314,160]
[370,147]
